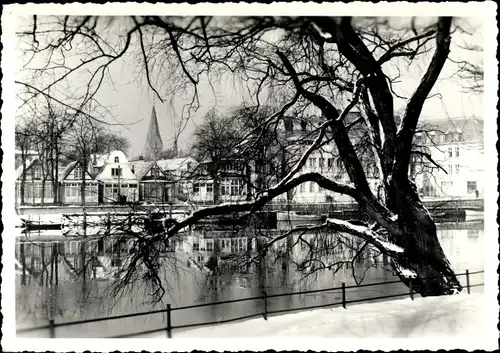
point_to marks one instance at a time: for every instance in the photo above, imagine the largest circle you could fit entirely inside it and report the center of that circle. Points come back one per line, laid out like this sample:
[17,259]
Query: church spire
[154,144]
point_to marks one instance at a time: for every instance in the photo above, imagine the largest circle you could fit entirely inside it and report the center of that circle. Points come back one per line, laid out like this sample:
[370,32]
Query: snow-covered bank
[445,322]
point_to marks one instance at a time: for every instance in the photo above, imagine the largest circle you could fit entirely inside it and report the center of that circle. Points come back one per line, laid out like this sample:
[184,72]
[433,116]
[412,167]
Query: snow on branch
[365,233]
[340,226]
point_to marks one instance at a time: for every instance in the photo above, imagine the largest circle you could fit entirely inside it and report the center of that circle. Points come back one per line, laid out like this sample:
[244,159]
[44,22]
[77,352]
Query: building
[34,182]
[26,154]
[153,145]
[155,185]
[116,182]
[300,134]
[180,170]
[457,146]
[70,183]
[233,180]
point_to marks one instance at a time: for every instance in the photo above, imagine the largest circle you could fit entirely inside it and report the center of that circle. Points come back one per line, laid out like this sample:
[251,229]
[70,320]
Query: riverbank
[305,208]
[446,322]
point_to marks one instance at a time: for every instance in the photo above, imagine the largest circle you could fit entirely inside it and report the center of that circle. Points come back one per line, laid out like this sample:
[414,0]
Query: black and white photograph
[249,176]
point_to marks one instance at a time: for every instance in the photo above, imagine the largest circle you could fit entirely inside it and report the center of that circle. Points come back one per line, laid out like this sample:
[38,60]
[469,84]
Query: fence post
[265,305]
[343,295]
[52,329]
[411,289]
[169,321]
[467,279]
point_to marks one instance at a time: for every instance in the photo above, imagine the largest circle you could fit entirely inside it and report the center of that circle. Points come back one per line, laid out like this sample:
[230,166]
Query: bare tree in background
[84,136]
[215,140]
[320,64]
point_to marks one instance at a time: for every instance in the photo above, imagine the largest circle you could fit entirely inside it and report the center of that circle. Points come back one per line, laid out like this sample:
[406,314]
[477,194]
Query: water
[54,286]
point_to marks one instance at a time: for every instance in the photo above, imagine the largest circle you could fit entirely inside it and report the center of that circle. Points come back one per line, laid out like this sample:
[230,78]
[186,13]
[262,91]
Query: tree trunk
[423,253]
[23,179]
[84,178]
[216,188]
[55,176]
[248,174]
[43,192]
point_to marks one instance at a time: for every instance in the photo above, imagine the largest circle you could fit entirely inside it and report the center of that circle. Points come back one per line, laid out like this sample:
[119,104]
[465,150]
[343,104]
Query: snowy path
[459,319]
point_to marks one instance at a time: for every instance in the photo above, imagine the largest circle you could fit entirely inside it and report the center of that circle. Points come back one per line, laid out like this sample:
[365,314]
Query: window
[210,244]
[339,163]
[117,160]
[225,187]
[155,172]
[330,162]
[210,188]
[48,191]
[450,152]
[442,137]
[236,186]
[37,264]
[196,246]
[457,151]
[78,173]
[311,186]
[116,171]
[37,191]
[471,187]
[196,188]
[450,169]
[457,169]
[36,173]
[321,162]
[303,125]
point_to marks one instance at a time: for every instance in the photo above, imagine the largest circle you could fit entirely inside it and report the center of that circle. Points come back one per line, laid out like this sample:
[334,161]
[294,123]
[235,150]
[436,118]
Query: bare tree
[215,140]
[320,64]
[84,136]
[24,141]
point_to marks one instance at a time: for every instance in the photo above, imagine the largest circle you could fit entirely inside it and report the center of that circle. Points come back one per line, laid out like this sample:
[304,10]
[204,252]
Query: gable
[74,171]
[33,171]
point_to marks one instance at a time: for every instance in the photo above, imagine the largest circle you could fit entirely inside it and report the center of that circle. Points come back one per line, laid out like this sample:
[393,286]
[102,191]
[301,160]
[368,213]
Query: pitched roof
[174,163]
[141,168]
[471,128]
[29,162]
[65,172]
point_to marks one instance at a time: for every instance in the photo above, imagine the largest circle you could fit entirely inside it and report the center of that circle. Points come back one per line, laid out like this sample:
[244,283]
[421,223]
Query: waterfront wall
[434,205]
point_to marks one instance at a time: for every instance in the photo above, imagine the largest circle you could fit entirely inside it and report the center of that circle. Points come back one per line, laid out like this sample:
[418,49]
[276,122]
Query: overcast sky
[132,100]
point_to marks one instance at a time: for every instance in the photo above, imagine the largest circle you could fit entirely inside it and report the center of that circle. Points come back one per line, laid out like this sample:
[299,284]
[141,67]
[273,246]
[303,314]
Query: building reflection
[69,277]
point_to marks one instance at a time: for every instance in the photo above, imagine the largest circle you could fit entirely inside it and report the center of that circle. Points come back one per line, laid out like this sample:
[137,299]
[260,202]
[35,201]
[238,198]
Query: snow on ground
[459,318]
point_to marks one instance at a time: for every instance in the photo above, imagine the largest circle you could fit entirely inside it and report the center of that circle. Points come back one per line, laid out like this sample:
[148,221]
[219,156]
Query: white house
[115,178]
[457,145]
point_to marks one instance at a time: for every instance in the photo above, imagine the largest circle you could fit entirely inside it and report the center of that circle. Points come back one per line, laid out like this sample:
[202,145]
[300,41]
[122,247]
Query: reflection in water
[71,279]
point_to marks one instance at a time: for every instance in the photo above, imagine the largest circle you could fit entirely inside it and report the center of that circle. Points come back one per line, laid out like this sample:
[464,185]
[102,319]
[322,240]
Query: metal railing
[169,327]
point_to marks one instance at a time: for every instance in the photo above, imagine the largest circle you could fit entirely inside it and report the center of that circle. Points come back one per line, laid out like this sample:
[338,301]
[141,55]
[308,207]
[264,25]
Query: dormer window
[117,160]
[78,173]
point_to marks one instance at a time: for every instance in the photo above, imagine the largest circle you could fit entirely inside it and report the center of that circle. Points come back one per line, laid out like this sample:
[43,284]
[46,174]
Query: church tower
[153,145]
